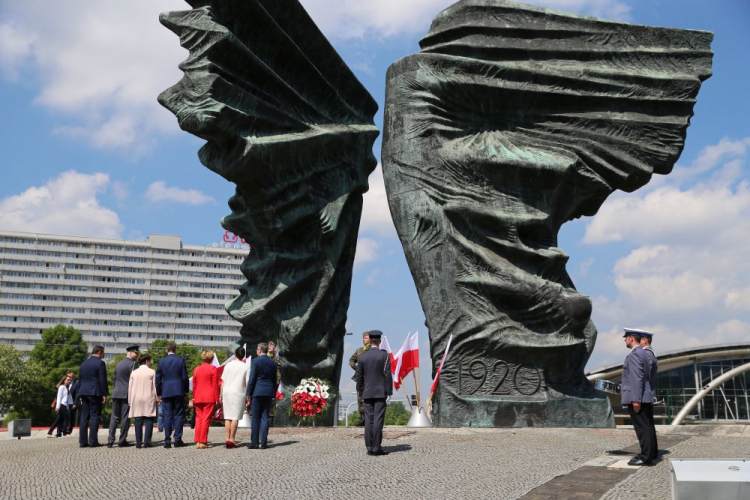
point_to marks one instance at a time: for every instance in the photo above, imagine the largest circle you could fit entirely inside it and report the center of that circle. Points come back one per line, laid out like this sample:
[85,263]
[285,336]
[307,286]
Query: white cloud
[15,48]
[159,191]
[65,205]
[342,19]
[376,216]
[688,273]
[367,251]
[101,63]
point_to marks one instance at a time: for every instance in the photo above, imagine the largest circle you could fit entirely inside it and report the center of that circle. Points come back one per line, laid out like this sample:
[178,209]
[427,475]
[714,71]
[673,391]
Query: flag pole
[416,385]
[408,400]
[427,406]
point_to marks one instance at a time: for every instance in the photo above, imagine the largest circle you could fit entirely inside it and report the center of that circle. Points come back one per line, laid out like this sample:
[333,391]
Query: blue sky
[88,151]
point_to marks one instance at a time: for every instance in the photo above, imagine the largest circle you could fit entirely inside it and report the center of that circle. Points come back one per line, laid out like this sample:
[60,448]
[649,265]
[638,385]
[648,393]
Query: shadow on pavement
[397,448]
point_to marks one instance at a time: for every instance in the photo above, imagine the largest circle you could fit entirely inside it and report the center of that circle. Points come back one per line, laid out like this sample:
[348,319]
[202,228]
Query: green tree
[61,350]
[192,354]
[396,414]
[22,388]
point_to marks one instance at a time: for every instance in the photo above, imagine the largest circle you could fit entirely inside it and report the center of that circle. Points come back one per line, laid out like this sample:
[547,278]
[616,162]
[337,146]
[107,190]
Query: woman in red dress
[205,397]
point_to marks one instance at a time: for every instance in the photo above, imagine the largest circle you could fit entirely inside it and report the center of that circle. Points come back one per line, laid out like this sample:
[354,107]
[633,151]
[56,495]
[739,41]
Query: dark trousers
[91,413]
[174,414]
[643,423]
[374,421]
[260,407]
[139,421]
[62,422]
[121,415]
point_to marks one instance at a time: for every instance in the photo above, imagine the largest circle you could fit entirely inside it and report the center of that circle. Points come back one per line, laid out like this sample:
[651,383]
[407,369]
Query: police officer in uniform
[638,395]
[375,384]
[646,339]
[353,363]
[120,406]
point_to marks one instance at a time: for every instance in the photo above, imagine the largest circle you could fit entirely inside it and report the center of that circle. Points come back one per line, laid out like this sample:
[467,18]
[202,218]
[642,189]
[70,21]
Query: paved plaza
[331,463]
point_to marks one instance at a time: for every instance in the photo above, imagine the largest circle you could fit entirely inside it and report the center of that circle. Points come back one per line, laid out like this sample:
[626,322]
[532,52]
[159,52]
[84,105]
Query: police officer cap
[637,333]
[375,334]
[133,348]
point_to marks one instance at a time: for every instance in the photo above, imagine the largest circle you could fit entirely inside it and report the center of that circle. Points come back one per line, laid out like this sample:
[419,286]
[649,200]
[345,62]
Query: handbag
[219,413]
[54,403]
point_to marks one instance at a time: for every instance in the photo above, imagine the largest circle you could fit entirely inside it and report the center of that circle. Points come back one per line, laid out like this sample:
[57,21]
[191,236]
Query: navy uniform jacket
[653,366]
[637,384]
[92,376]
[171,377]
[373,375]
[122,378]
[262,381]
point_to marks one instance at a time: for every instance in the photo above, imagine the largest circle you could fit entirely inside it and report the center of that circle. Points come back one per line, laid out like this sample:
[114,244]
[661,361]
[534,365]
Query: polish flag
[409,358]
[385,346]
[280,391]
[442,362]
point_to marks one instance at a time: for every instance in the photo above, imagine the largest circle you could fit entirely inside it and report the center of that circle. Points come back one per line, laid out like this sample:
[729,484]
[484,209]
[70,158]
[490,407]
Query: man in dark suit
[375,384]
[120,407]
[93,391]
[638,395]
[261,390]
[73,391]
[171,387]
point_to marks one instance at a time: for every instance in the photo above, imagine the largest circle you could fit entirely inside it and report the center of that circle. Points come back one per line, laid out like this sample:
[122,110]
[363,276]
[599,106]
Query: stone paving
[331,463]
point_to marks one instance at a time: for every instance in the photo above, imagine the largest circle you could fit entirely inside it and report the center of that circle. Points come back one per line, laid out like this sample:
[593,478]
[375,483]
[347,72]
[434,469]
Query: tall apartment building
[118,293]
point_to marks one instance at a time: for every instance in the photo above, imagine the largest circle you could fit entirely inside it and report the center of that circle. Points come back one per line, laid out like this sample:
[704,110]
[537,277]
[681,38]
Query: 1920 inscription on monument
[491,377]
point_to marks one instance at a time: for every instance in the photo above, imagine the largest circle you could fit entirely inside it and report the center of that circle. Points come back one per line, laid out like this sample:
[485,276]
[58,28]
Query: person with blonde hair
[205,397]
[234,382]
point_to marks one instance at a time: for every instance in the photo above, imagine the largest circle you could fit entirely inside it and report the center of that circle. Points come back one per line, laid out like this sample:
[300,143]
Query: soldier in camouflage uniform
[353,363]
[274,356]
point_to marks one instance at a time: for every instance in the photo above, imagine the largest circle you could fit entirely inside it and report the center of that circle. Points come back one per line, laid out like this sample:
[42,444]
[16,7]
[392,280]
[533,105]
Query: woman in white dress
[234,382]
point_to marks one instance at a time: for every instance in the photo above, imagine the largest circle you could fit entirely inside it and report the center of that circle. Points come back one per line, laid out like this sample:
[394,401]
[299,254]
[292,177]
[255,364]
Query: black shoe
[254,446]
[125,444]
[138,446]
[179,444]
[110,445]
[371,453]
[167,445]
[380,453]
[148,445]
[639,461]
[83,445]
[264,447]
[94,445]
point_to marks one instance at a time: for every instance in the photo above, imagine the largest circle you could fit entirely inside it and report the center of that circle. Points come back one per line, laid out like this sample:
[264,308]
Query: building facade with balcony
[117,293]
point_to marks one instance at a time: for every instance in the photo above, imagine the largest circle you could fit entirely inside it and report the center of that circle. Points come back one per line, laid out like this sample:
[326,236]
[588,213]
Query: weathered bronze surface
[287,122]
[511,121]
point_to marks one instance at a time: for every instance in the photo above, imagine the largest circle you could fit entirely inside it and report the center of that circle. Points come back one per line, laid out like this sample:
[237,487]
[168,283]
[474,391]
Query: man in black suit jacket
[93,391]
[375,384]
[260,392]
[171,386]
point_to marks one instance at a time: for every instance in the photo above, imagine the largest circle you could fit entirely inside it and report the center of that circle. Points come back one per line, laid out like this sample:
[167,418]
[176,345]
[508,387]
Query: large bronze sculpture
[511,121]
[287,122]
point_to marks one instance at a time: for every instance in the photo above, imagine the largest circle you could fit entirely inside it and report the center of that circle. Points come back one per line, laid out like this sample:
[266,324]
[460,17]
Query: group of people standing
[138,392]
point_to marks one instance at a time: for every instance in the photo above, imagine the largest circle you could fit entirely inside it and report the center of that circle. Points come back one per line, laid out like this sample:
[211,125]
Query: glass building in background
[118,293]
[682,374]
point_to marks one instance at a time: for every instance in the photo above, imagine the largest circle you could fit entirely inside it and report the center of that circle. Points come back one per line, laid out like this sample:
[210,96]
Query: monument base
[549,410]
